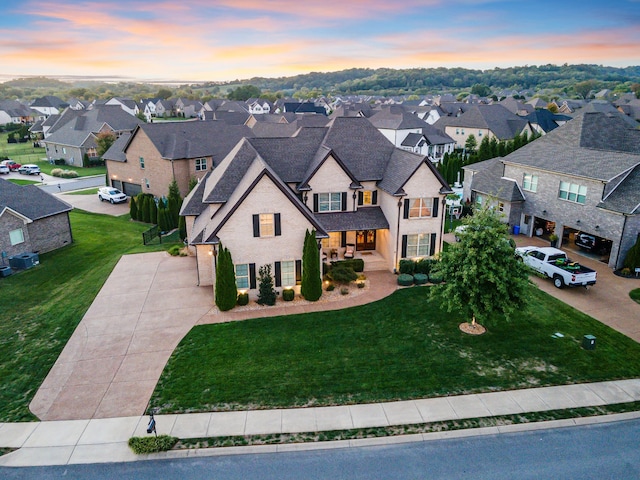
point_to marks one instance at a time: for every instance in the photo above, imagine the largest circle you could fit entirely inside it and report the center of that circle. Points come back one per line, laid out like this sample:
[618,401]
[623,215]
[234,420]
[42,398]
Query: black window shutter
[343,239]
[256,225]
[252,275]
[432,249]
[344,201]
[360,198]
[276,220]
[374,197]
[298,271]
[278,273]
[315,202]
[436,201]
[406,208]
[404,246]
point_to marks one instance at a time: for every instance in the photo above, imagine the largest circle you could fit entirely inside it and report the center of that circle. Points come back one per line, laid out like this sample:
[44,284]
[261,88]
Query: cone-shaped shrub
[226,290]
[133,208]
[311,288]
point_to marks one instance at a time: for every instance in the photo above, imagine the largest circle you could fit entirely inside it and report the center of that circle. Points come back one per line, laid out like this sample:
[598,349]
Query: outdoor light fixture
[544,211]
[578,222]
[597,227]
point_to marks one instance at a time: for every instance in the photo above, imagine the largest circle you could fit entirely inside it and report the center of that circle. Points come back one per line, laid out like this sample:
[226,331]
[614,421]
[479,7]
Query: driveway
[91,203]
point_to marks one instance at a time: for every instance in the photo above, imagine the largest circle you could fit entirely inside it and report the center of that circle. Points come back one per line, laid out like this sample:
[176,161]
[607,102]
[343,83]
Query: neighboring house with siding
[346,181]
[74,132]
[583,178]
[12,111]
[48,105]
[32,220]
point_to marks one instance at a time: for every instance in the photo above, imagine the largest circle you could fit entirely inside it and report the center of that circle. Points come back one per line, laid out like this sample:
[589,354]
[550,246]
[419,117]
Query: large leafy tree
[244,92]
[311,288]
[484,279]
[226,290]
[104,140]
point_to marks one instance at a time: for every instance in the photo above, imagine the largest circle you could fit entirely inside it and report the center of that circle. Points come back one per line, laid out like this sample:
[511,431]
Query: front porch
[373,260]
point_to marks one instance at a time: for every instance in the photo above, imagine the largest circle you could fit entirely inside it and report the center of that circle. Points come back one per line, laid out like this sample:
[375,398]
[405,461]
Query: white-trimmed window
[16,236]
[530,182]
[420,207]
[501,206]
[142,162]
[266,225]
[330,202]
[146,182]
[572,192]
[242,276]
[418,245]
[334,240]
[201,164]
[367,197]
[288,273]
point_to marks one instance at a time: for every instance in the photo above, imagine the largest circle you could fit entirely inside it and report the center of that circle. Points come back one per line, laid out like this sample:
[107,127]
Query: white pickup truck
[555,264]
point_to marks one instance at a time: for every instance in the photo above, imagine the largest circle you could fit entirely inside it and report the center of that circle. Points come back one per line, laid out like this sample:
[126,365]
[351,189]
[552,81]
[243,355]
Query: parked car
[591,243]
[30,169]
[554,263]
[11,164]
[4,169]
[111,194]
[459,230]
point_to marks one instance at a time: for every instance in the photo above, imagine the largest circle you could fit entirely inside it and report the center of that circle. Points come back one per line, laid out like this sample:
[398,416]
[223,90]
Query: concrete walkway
[114,359]
[105,440]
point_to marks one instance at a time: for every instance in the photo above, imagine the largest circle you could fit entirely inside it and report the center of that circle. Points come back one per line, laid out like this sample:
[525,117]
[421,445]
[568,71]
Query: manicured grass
[20,152]
[42,306]
[635,295]
[88,191]
[19,181]
[400,347]
[46,167]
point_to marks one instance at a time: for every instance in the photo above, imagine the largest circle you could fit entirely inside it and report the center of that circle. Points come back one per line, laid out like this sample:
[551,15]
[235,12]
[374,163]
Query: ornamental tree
[226,290]
[483,278]
[311,288]
[266,292]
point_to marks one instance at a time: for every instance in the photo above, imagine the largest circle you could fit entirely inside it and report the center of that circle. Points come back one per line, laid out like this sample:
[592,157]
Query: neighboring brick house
[157,153]
[583,178]
[74,133]
[346,181]
[484,121]
[32,220]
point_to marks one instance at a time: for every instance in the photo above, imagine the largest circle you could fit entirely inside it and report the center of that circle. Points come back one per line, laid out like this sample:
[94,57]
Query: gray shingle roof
[593,145]
[504,124]
[192,204]
[626,196]
[490,181]
[396,117]
[74,126]
[547,120]
[116,151]
[194,139]
[413,140]
[435,136]
[30,201]
[368,218]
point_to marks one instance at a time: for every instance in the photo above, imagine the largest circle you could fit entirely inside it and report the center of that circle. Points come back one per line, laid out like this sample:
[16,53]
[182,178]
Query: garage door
[117,184]
[131,189]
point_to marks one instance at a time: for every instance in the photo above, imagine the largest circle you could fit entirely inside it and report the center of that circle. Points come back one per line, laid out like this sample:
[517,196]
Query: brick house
[346,181]
[155,154]
[582,178]
[32,220]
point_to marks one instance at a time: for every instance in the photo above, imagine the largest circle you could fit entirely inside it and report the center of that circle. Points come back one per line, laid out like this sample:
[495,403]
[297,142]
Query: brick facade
[40,236]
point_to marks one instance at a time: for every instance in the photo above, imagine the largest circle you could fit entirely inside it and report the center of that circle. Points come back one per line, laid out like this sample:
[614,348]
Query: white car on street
[111,194]
[4,169]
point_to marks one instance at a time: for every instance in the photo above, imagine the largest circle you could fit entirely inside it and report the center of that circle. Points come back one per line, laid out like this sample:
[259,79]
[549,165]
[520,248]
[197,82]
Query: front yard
[401,347]
[41,307]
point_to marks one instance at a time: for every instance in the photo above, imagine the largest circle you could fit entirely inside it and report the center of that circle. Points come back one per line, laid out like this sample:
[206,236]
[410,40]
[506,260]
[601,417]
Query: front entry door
[365,240]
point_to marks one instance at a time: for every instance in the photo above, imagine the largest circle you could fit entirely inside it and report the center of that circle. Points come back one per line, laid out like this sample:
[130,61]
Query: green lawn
[41,307]
[19,181]
[400,347]
[20,152]
[88,191]
[635,295]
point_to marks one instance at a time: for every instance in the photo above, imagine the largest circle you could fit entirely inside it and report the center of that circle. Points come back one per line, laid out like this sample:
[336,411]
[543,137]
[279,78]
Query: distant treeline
[548,80]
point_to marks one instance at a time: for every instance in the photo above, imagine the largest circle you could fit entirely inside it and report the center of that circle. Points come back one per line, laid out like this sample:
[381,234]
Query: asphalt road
[54,185]
[599,451]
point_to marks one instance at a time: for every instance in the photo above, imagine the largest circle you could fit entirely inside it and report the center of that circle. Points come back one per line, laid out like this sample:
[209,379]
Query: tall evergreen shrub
[311,288]
[133,208]
[226,290]
[266,293]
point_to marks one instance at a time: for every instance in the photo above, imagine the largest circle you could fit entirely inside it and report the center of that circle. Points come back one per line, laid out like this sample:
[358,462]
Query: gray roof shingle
[504,124]
[369,218]
[30,201]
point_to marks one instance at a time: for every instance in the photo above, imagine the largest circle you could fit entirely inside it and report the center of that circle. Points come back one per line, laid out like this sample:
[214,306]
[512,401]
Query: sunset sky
[196,40]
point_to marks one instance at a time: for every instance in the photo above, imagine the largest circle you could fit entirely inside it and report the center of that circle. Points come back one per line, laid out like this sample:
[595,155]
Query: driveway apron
[114,359]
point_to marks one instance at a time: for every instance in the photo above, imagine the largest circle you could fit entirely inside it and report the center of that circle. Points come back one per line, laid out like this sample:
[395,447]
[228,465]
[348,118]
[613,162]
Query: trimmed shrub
[420,278]
[161,443]
[266,293]
[174,250]
[342,274]
[56,172]
[182,228]
[344,291]
[311,288]
[243,299]
[331,287]
[360,284]
[632,259]
[356,263]
[59,161]
[424,265]
[69,174]
[435,277]
[153,210]
[288,294]
[407,267]
[405,280]
[226,292]
[133,208]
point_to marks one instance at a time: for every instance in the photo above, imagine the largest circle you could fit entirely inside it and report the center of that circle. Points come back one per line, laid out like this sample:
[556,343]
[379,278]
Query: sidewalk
[105,440]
